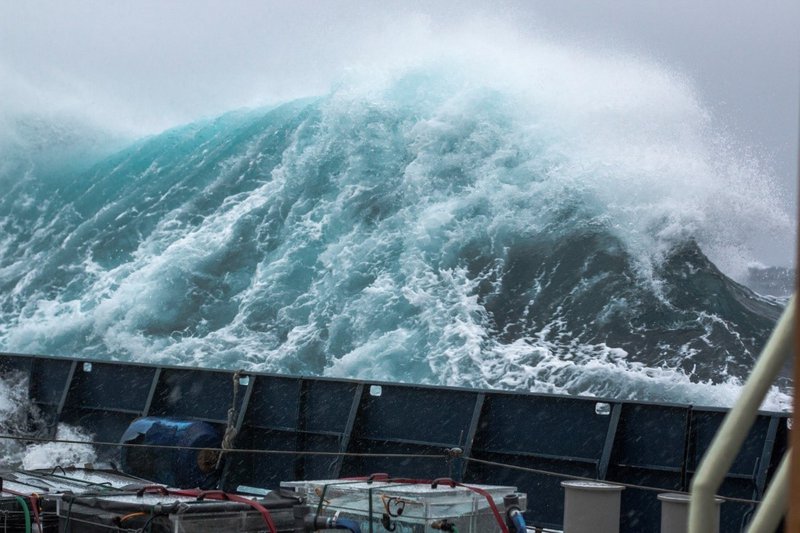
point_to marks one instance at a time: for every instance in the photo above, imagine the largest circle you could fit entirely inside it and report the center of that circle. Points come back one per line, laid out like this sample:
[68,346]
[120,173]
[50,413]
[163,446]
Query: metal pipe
[728,440]
[775,502]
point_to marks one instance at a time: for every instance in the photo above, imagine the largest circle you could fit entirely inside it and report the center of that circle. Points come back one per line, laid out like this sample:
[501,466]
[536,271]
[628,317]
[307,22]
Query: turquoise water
[433,229]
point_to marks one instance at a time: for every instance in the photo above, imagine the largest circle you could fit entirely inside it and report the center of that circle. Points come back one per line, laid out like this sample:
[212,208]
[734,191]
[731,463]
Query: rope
[35,507]
[230,429]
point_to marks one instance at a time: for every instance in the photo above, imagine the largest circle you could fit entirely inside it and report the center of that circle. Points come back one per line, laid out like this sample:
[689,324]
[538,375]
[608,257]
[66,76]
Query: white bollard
[675,513]
[591,507]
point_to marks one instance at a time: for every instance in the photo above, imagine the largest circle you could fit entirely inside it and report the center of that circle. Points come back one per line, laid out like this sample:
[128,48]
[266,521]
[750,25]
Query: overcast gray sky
[146,65]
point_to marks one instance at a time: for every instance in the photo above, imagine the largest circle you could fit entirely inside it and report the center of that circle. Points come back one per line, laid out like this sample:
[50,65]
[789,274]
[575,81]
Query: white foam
[18,416]
[52,454]
[605,372]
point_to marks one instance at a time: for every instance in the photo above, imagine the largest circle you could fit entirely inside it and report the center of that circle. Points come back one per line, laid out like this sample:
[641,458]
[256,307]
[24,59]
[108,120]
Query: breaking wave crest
[551,234]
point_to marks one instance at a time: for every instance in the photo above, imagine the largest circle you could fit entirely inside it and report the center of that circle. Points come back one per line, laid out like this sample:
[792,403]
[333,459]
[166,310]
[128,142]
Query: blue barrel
[180,468]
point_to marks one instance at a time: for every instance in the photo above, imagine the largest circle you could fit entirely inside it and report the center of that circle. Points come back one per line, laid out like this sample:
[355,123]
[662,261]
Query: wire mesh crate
[409,507]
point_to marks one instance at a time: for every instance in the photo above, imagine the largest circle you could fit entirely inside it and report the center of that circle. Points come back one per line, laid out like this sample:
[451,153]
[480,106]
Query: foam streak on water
[549,232]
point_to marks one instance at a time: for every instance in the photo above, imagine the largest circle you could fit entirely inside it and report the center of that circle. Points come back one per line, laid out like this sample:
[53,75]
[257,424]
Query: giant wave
[434,229]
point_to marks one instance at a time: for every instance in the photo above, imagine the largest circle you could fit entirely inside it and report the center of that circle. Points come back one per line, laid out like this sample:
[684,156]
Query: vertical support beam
[248,393]
[64,394]
[766,458]
[149,402]
[300,435]
[611,435]
[688,448]
[34,364]
[477,411]
[344,442]
[30,365]
[769,514]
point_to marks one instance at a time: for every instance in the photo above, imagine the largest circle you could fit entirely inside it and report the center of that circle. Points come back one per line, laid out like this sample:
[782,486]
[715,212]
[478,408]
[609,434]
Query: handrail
[731,435]
[775,501]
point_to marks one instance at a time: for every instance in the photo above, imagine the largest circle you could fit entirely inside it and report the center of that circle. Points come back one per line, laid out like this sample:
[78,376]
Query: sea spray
[435,226]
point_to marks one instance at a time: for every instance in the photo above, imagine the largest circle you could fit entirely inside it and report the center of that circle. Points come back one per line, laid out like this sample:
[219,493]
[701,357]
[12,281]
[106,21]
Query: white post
[775,502]
[737,423]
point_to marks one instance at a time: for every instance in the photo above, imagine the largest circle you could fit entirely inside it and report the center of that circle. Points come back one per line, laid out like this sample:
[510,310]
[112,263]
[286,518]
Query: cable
[148,524]
[346,523]
[377,455]
[67,523]
[234,450]
[582,478]
[131,515]
[105,526]
[519,522]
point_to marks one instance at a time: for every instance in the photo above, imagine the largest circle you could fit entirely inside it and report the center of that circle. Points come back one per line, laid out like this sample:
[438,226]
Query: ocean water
[430,226]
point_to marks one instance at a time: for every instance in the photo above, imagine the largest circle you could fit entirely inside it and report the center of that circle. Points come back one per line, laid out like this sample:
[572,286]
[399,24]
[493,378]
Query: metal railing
[731,435]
